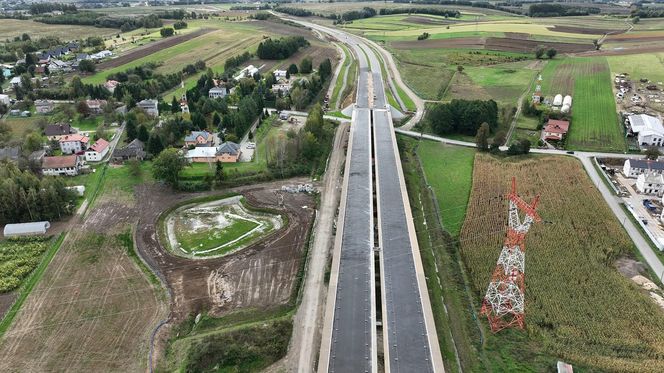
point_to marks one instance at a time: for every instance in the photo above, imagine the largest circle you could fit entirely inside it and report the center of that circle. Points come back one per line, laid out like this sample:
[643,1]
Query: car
[570,152]
[251,145]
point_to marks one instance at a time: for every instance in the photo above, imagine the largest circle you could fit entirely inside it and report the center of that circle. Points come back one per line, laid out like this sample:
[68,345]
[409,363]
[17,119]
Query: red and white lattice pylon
[503,303]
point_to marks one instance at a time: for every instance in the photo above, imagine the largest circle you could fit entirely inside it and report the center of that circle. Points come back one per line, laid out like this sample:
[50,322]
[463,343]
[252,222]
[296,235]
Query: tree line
[559,10]
[103,21]
[280,49]
[40,8]
[462,116]
[24,197]
[432,11]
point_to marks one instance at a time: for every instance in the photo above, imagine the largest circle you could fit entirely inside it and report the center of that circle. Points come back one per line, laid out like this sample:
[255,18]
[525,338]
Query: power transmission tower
[504,303]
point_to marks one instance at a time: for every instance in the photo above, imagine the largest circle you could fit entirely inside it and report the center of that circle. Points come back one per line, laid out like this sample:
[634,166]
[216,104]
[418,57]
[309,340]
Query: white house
[4,99]
[15,82]
[650,184]
[283,87]
[67,165]
[649,129]
[150,106]
[279,74]
[72,144]
[217,92]
[97,151]
[247,72]
[635,167]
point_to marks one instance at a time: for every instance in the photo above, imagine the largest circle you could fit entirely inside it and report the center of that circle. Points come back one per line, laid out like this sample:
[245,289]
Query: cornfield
[18,258]
[579,308]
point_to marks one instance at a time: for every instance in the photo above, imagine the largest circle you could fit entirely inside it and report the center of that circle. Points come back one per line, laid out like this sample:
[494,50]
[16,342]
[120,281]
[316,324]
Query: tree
[219,172]
[539,52]
[482,137]
[175,105]
[292,69]
[82,108]
[597,44]
[143,133]
[306,66]
[134,167]
[325,69]
[32,142]
[101,133]
[87,66]
[3,109]
[166,32]
[216,120]
[498,141]
[460,68]
[652,152]
[155,143]
[519,147]
[167,166]
[551,53]
[132,130]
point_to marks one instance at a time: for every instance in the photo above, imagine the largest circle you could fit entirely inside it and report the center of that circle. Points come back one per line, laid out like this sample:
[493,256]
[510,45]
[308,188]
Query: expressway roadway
[349,342]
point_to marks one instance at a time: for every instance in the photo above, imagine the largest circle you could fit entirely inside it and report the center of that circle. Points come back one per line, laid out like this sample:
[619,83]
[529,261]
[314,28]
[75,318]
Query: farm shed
[558,100]
[26,229]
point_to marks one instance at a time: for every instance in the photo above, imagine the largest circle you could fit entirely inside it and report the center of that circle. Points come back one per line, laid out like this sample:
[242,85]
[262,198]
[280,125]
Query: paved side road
[611,199]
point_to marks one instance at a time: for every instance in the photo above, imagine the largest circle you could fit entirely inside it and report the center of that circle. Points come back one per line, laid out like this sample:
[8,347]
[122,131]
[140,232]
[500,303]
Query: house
[55,131]
[37,157]
[281,87]
[555,129]
[635,167]
[95,106]
[101,55]
[64,165]
[279,74]
[58,65]
[15,82]
[247,72]
[226,152]
[97,151]
[26,229]
[650,184]
[43,106]
[4,99]
[134,150]
[150,107]
[43,58]
[199,138]
[10,154]
[217,92]
[82,57]
[537,97]
[73,46]
[72,144]
[649,129]
[110,85]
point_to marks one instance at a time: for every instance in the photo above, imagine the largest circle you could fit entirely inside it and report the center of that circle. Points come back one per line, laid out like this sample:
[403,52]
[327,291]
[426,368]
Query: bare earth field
[492,43]
[9,28]
[93,310]
[259,276]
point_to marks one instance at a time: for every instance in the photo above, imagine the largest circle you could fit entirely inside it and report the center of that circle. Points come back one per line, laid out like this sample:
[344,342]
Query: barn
[26,229]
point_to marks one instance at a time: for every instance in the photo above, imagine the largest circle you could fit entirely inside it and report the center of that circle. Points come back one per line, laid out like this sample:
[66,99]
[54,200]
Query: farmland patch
[572,285]
[217,228]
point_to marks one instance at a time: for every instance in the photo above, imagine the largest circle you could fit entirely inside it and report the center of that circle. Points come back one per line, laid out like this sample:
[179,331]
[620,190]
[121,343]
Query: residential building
[56,131]
[15,82]
[217,92]
[279,74]
[226,152]
[635,167]
[648,129]
[95,106]
[284,88]
[199,138]
[555,129]
[43,106]
[4,99]
[26,229]
[151,107]
[111,84]
[58,65]
[65,165]
[97,151]
[10,154]
[133,150]
[72,144]
[652,184]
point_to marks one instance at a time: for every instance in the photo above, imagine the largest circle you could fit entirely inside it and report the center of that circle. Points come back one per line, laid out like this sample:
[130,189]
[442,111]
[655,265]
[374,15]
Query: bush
[166,32]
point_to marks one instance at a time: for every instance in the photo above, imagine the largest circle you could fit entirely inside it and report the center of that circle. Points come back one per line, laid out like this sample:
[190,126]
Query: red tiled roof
[75,137]
[99,145]
[59,162]
[557,126]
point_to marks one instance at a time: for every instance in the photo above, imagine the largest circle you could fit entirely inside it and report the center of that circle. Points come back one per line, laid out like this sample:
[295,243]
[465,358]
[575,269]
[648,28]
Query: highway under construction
[377,289]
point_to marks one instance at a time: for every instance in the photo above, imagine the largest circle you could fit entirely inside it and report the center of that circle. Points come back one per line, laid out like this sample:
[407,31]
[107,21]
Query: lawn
[448,170]
[505,82]
[87,124]
[20,127]
[572,284]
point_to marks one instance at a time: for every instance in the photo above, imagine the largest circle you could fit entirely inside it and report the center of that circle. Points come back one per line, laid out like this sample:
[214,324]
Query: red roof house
[555,129]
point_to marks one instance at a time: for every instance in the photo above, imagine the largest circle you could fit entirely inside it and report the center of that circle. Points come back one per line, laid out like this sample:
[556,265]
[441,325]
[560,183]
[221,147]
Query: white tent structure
[26,229]
[558,100]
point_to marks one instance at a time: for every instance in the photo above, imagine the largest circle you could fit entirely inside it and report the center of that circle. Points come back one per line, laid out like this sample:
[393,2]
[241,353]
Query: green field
[18,258]
[647,65]
[448,170]
[594,119]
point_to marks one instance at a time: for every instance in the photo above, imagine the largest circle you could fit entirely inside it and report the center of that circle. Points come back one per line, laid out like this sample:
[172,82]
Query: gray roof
[57,129]
[228,148]
[21,229]
[644,163]
[10,153]
[194,134]
[136,144]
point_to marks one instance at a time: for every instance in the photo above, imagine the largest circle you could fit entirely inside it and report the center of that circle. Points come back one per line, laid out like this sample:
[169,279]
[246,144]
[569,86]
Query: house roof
[646,164]
[202,152]
[43,103]
[99,146]
[642,122]
[95,103]
[557,126]
[57,129]
[218,89]
[136,144]
[194,134]
[229,148]
[10,153]
[36,227]
[59,161]
[75,137]
[146,103]
[652,178]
